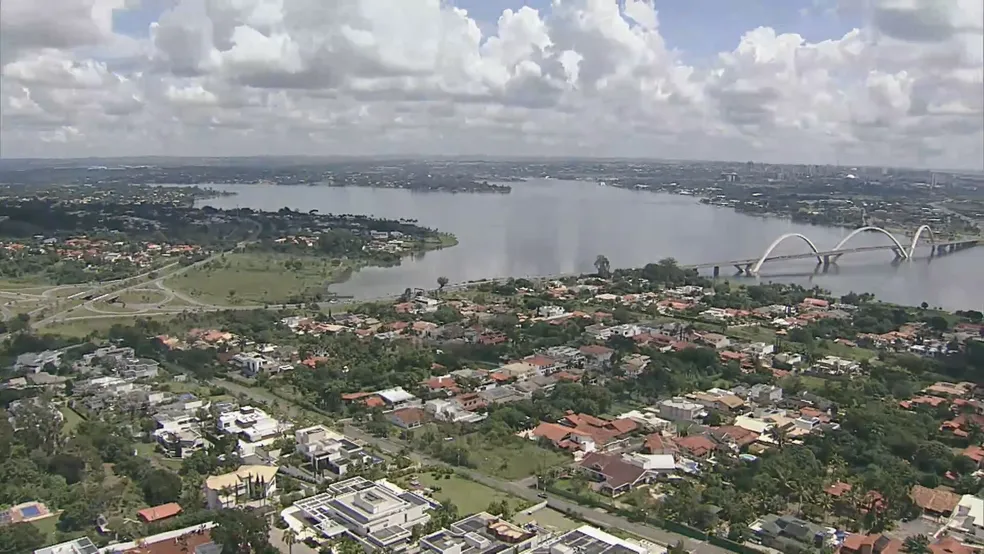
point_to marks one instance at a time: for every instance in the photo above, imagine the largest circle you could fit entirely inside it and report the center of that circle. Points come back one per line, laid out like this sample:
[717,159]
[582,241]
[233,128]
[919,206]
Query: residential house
[765,395]
[451,411]
[596,354]
[718,399]
[950,545]
[253,427]
[614,475]
[870,544]
[681,409]
[936,502]
[714,340]
[379,515]
[582,432]
[733,438]
[407,418]
[327,450]
[968,518]
[397,398]
[480,533]
[33,362]
[787,533]
[695,446]
[248,485]
[656,444]
[159,513]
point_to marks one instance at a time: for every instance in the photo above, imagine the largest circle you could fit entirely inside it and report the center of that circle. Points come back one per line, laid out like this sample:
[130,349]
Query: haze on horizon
[851,82]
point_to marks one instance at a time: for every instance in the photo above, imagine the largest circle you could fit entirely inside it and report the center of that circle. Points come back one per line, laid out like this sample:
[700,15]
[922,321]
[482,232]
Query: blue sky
[698,28]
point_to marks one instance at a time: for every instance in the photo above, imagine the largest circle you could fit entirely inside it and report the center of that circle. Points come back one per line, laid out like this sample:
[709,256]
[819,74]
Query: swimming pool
[30,511]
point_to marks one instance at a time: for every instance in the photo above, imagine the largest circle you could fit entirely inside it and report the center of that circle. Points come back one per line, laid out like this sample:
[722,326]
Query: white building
[549,312]
[327,450]
[81,545]
[591,539]
[250,364]
[248,485]
[680,409]
[451,411]
[254,428]
[378,514]
[968,518]
[648,418]
[397,398]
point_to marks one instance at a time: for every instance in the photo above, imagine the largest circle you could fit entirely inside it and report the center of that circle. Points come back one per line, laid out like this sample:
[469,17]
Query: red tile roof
[157,513]
[616,471]
[658,444]
[696,445]
[730,433]
[939,501]
[838,489]
[409,416]
[874,544]
[179,545]
[949,545]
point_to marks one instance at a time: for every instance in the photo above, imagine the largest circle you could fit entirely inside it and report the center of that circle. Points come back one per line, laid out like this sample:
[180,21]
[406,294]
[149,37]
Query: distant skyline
[856,82]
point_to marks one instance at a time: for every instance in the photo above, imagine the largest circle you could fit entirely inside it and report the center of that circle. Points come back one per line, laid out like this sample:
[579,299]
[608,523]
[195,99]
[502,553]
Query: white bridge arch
[901,249]
[833,255]
[778,241]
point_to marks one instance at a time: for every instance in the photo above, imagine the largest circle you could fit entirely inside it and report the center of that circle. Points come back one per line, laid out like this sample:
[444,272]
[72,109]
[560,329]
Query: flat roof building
[377,514]
[591,540]
[81,545]
[481,533]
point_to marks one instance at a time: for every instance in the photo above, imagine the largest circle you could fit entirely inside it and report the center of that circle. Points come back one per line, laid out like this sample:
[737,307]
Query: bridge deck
[808,255]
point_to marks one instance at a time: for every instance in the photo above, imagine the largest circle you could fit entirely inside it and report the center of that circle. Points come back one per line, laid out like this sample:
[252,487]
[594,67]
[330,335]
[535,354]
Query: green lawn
[470,497]
[516,460]
[72,419]
[259,278]
[142,296]
[549,518]
[82,327]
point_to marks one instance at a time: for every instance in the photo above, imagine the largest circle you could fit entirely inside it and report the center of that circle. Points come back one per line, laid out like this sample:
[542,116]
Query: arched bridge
[826,257]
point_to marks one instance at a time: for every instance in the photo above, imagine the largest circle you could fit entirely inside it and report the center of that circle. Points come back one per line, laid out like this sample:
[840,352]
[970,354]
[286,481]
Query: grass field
[142,296]
[82,327]
[72,419]
[258,278]
[470,497]
[517,460]
[549,518]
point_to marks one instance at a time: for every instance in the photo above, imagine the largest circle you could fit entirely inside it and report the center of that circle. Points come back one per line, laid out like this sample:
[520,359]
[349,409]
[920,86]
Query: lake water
[547,227]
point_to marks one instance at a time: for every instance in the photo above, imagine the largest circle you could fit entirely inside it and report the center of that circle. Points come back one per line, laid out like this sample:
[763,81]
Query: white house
[254,428]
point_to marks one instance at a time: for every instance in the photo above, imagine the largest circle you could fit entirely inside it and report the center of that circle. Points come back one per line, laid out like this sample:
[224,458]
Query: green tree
[442,282]
[242,532]
[916,544]
[19,538]
[290,538]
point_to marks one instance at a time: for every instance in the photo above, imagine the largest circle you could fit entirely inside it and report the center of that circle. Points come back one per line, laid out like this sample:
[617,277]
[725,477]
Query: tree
[161,486]
[242,532]
[290,538]
[916,544]
[442,282]
[603,266]
[20,537]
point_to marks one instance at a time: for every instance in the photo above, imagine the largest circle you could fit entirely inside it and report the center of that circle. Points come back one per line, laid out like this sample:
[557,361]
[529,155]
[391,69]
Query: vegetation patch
[261,278]
[468,496]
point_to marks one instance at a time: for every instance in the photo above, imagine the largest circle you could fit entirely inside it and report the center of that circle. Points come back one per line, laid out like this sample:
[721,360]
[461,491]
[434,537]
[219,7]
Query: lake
[547,227]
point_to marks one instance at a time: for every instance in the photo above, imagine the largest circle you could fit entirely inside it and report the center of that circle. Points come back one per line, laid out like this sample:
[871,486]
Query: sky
[873,82]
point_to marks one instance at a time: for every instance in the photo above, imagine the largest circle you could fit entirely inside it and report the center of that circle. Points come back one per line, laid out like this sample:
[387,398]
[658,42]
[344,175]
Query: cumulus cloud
[583,77]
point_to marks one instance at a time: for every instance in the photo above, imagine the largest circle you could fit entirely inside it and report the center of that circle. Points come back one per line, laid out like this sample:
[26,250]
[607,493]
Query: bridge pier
[717,271]
[827,261]
[740,268]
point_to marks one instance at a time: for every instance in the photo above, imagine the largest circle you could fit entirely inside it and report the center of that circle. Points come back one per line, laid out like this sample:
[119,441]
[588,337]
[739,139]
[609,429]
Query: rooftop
[78,546]
[244,473]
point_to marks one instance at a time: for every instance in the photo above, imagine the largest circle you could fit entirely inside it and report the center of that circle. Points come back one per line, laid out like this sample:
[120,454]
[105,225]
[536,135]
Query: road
[594,516]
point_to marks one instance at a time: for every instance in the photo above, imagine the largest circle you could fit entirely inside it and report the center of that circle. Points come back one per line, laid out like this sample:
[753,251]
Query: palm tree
[290,537]
[779,435]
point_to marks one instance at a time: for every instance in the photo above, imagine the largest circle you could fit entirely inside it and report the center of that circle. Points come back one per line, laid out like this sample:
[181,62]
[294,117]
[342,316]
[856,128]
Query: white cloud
[227,77]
